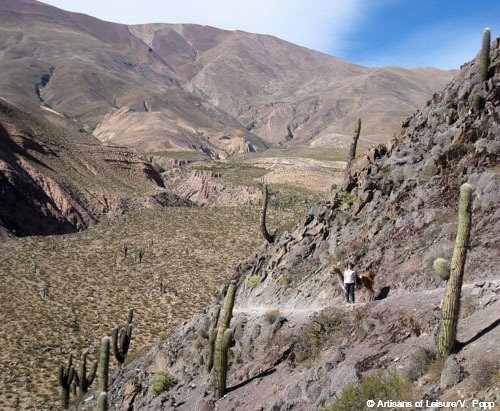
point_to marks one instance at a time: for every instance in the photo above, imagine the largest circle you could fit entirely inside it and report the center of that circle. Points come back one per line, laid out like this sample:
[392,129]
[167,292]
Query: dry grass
[321,331]
[62,294]
[484,373]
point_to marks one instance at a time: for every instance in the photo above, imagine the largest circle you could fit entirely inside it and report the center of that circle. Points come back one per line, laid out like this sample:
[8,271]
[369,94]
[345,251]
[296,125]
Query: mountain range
[161,86]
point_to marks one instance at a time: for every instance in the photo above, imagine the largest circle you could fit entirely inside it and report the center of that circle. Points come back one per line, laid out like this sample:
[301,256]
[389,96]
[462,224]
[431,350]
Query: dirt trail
[396,299]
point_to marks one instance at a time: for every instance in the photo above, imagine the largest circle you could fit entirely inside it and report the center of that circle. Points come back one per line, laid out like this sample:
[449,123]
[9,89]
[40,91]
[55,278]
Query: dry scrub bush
[253,281]
[160,382]
[380,386]
[418,363]
[327,327]
[272,315]
[435,368]
[485,373]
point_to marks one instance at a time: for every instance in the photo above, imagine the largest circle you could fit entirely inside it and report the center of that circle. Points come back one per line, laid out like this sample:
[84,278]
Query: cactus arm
[103,370]
[83,381]
[121,341]
[268,237]
[102,402]
[127,338]
[116,351]
[228,306]
[92,374]
[60,375]
[212,335]
[352,150]
[223,341]
[65,377]
[130,316]
[76,380]
[82,378]
[451,303]
[485,54]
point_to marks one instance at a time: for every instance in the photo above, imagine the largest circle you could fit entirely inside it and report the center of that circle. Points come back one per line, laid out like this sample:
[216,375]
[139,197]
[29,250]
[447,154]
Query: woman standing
[349,282]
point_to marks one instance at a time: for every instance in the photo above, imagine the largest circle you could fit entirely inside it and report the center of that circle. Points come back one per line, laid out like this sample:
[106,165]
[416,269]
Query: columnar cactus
[121,342]
[223,341]
[477,103]
[81,379]
[269,238]
[485,54]
[451,303]
[103,370]
[65,377]
[102,401]
[221,350]
[212,336]
[352,151]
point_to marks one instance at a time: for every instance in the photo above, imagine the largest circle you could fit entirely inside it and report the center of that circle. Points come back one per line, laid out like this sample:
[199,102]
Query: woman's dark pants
[349,289]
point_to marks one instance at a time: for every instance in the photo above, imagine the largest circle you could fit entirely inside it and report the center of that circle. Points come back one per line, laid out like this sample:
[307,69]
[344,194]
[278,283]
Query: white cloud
[317,24]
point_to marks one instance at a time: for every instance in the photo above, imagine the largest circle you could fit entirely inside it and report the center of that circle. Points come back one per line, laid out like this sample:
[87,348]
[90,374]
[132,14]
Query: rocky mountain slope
[296,344]
[53,185]
[163,86]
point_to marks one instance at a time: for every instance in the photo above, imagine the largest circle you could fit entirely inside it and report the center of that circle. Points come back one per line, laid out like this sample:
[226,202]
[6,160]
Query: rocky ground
[394,213]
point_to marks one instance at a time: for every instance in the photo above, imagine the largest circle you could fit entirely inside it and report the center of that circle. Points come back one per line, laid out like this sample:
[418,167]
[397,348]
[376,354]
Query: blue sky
[437,33]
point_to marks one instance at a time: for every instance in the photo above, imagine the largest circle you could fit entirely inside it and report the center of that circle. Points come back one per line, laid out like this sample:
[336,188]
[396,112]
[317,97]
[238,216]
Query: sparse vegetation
[324,328]
[419,362]
[272,315]
[380,386]
[160,382]
[435,368]
[253,281]
[347,200]
[484,373]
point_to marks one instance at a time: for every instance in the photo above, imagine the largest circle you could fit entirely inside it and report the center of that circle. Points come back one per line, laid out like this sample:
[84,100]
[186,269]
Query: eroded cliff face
[50,185]
[394,213]
[33,203]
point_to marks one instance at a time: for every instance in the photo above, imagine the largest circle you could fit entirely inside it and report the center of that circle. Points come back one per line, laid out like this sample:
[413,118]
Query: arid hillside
[163,86]
[295,343]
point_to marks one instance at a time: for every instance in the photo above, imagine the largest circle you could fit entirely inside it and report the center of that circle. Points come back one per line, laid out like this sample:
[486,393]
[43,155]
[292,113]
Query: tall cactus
[223,341]
[269,238]
[212,336]
[81,379]
[451,303]
[121,342]
[102,401]
[65,377]
[485,54]
[352,150]
[103,370]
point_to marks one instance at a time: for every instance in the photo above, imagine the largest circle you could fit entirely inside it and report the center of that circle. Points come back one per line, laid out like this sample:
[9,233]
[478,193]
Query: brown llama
[367,280]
